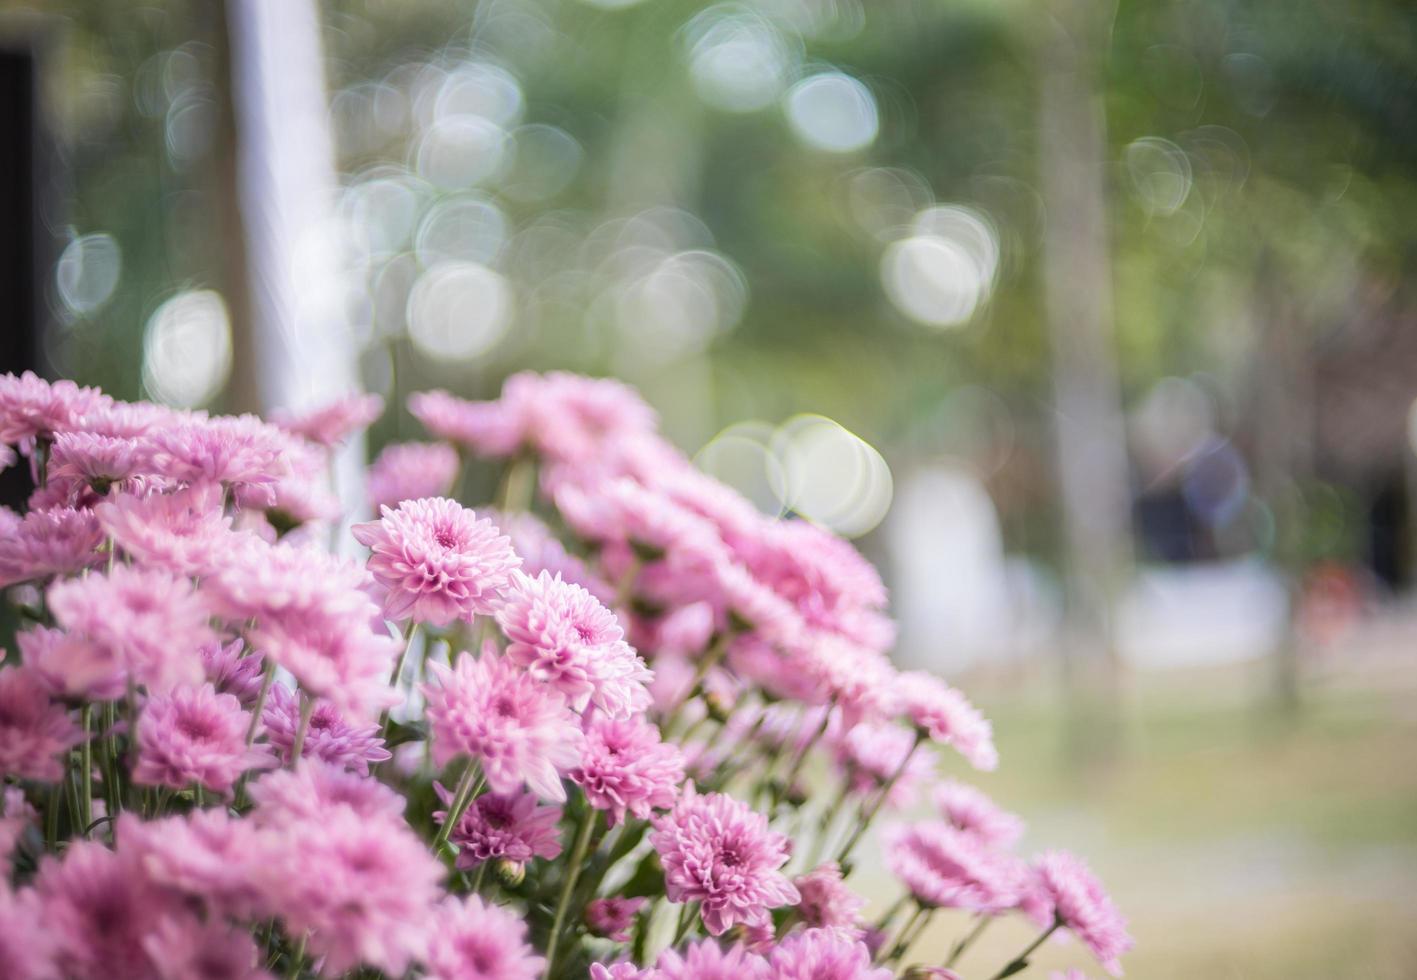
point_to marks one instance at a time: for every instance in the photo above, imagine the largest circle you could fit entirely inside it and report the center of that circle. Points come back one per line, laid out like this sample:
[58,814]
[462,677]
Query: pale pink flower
[34,731]
[570,417]
[436,561]
[487,428]
[970,809]
[314,788]
[411,471]
[300,492]
[184,531]
[861,682]
[333,423]
[613,918]
[328,735]
[623,970]
[513,826]
[33,409]
[72,666]
[473,940]
[231,672]
[15,816]
[872,754]
[53,541]
[204,854]
[707,960]
[339,659]
[564,637]
[147,618]
[541,551]
[365,890]
[98,460]
[234,451]
[827,902]
[520,730]
[185,949]
[948,868]
[195,735]
[947,717]
[824,954]
[626,768]
[717,851]
[1081,905]
[26,945]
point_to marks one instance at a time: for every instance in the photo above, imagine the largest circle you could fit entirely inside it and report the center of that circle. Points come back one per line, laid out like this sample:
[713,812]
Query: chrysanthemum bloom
[1083,907]
[519,729]
[411,471]
[623,970]
[205,855]
[613,918]
[234,451]
[707,960]
[436,561]
[195,735]
[487,428]
[511,826]
[333,423]
[33,409]
[315,787]
[570,417]
[339,659]
[365,890]
[183,531]
[55,541]
[541,551]
[98,907]
[232,673]
[34,731]
[15,815]
[185,949]
[861,682]
[627,768]
[25,944]
[947,717]
[872,754]
[564,637]
[300,492]
[970,809]
[947,868]
[328,735]
[151,620]
[721,853]
[827,902]
[98,460]
[473,940]
[823,954]
[72,667]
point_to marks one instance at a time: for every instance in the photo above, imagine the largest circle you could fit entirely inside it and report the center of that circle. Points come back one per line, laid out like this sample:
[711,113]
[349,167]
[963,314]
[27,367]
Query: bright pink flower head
[55,541]
[235,451]
[436,561]
[195,735]
[970,809]
[707,960]
[410,471]
[861,682]
[626,768]
[150,620]
[186,949]
[623,970]
[824,954]
[86,457]
[569,417]
[1082,906]
[328,735]
[520,730]
[72,666]
[512,826]
[947,717]
[365,890]
[613,918]
[335,422]
[827,902]
[231,672]
[718,851]
[204,854]
[32,408]
[34,731]
[184,531]
[947,868]
[315,788]
[339,659]
[486,428]
[25,943]
[473,940]
[563,636]
[872,754]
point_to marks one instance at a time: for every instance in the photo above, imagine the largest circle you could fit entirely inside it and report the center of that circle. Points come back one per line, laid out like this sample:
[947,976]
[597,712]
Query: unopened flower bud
[510,873]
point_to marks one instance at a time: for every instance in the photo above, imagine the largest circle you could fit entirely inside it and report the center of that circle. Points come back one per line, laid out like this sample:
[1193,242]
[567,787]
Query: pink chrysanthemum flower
[86,457]
[32,409]
[184,531]
[98,907]
[872,754]
[204,854]
[947,868]
[862,683]
[564,637]
[341,660]
[613,918]
[721,853]
[541,551]
[34,731]
[487,428]
[626,768]
[314,788]
[970,809]
[300,492]
[327,736]
[231,450]
[72,666]
[520,730]
[15,815]
[195,735]
[623,970]
[1081,905]
[512,826]
[436,561]
[827,902]
[232,673]
[947,717]
[186,949]
[823,954]
[473,940]
[25,943]
[570,417]
[332,424]
[55,541]
[411,471]
[365,890]
[707,960]
[149,619]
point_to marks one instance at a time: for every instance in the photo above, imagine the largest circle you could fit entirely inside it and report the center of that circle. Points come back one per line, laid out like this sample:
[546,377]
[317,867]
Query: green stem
[889,948]
[396,681]
[477,878]
[903,944]
[968,940]
[86,762]
[467,790]
[518,486]
[297,959]
[876,804]
[112,792]
[706,663]
[568,885]
[800,757]
[885,920]
[266,679]
[1021,960]
[687,914]
[307,707]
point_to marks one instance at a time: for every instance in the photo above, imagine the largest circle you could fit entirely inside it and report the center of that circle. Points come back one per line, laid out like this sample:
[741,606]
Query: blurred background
[1093,323]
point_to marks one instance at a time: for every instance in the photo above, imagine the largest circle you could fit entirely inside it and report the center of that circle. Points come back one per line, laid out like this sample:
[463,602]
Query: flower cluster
[228,752]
